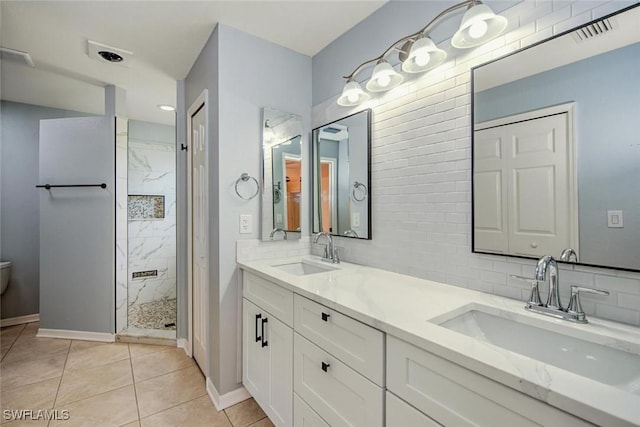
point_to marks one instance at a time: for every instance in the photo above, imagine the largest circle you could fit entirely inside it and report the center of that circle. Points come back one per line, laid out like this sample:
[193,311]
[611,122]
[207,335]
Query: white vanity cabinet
[454,396]
[267,347]
[338,365]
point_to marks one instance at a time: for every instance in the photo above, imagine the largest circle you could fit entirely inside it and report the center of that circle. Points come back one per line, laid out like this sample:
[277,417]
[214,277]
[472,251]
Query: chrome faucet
[330,252]
[545,263]
[547,267]
[569,255]
[278,230]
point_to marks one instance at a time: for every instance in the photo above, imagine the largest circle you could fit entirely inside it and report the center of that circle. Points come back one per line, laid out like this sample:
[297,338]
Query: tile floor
[104,384]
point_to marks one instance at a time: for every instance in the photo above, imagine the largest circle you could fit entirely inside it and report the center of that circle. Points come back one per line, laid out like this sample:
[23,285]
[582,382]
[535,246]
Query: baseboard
[20,320]
[183,343]
[76,335]
[228,399]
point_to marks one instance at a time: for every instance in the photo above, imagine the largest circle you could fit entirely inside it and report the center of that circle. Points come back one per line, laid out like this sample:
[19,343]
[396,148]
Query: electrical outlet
[246,224]
[614,219]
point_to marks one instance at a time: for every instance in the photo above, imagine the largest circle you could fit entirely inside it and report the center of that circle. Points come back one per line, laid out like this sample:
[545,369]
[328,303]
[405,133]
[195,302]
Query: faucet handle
[336,256]
[534,297]
[575,307]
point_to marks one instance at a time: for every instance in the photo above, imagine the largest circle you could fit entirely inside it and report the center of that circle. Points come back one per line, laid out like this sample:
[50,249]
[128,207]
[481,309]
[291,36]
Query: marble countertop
[402,306]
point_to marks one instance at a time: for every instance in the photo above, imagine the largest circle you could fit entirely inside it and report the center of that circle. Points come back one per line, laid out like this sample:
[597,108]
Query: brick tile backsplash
[421,177]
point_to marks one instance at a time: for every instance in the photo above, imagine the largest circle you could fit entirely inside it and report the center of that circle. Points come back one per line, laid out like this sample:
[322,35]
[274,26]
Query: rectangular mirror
[281,175]
[342,177]
[556,153]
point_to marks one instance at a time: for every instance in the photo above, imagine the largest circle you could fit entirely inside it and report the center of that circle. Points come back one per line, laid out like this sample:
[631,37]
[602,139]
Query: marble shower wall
[121,224]
[152,242]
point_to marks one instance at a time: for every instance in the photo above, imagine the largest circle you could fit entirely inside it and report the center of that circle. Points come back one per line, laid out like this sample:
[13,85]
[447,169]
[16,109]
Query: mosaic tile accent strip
[153,315]
[145,207]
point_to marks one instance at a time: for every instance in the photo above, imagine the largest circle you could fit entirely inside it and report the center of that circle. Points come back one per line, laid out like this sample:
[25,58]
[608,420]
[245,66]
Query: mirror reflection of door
[328,191]
[293,186]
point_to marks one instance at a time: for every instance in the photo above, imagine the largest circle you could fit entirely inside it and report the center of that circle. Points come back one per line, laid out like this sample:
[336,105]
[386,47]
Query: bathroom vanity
[349,345]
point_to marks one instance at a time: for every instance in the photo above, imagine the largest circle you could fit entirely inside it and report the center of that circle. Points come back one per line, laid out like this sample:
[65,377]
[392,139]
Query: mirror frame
[473,126]
[313,205]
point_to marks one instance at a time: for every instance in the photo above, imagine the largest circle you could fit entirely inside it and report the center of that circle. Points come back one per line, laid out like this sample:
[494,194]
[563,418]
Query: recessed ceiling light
[110,56]
[165,107]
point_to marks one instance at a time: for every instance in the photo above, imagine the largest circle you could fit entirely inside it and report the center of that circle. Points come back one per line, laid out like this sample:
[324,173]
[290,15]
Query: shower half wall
[151,241]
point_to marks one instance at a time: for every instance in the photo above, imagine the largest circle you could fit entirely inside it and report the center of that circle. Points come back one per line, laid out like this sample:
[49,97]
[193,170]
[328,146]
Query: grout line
[133,379]
[261,419]
[164,373]
[66,359]
[24,325]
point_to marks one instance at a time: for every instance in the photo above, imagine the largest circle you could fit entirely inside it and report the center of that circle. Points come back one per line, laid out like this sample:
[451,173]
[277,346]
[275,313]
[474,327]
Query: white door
[199,233]
[523,182]
[538,194]
[490,191]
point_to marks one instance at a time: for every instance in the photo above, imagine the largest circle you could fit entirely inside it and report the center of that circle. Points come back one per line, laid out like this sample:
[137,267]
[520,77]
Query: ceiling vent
[105,53]
[595,29]
[16,56]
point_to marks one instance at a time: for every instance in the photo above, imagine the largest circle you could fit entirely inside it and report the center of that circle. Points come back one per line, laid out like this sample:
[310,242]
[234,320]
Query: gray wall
[606,93]
[238,91]
[19,230]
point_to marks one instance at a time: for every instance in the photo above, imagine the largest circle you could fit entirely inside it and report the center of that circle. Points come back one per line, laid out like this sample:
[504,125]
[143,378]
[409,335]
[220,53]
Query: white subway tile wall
[421,177]
[256,250]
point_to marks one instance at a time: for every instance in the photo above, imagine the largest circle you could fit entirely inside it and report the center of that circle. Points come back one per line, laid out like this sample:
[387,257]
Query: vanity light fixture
[420,54]
[384,77]
[479,25]
[268,132]
[352,94]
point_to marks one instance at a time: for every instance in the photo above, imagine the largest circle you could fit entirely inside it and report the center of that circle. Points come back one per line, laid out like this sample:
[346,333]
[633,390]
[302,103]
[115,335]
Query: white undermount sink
[552,343]
[302,268]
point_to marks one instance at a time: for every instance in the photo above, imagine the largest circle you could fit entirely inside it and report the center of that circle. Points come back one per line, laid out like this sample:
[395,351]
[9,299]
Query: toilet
[5,273]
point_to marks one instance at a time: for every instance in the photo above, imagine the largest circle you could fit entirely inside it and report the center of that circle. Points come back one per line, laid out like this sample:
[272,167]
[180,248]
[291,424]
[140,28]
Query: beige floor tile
[265,422]
[138,350]
[84,383]
[159,363]
[30,330]
[28,347]
[133,424]
[34,396]
[196,413]
[27,423]
[18,373]
[114,408]
[160,393]
[245,413]
[9,334]
[87,354]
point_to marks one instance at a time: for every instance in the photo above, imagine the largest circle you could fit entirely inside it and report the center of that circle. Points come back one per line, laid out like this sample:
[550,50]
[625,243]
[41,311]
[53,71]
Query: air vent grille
[595,29]
[16,56]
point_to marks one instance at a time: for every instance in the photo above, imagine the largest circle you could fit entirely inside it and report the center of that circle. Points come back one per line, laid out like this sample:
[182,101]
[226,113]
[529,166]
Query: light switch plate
[246,224]
[615,219]
[355,219]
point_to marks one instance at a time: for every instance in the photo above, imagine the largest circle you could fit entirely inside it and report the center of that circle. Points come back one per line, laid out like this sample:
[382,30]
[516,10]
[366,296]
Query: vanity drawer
[304,416]
[399,413]
[455,396]
[354,343]
[340,395]
[272,298]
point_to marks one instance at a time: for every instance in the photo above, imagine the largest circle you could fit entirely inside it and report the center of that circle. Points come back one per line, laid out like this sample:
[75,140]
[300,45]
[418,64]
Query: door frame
[569,109]
[285,157]
[201,102]
[333,195]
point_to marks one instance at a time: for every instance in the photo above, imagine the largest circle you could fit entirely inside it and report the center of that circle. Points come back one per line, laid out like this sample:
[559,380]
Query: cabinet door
[304,416]
[278,338]
[254,368]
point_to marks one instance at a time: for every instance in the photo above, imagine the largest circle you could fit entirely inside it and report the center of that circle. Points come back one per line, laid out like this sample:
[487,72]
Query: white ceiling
[164,36]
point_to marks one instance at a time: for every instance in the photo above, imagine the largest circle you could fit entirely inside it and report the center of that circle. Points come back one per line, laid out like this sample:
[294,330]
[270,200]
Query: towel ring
[244,178]
[357,185]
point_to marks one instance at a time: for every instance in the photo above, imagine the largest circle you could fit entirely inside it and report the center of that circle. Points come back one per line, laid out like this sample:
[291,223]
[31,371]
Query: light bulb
[478,29]
[352,96]
[422,58]
[384,80]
